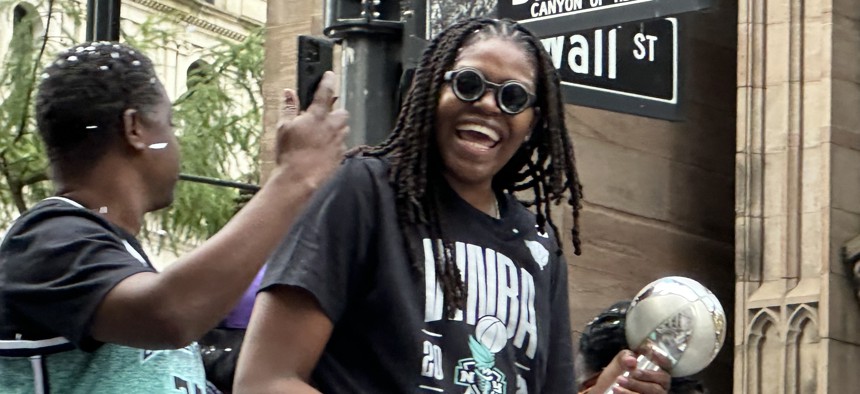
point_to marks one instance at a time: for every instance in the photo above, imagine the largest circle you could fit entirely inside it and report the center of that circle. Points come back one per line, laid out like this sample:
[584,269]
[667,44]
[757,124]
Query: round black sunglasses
[469,85]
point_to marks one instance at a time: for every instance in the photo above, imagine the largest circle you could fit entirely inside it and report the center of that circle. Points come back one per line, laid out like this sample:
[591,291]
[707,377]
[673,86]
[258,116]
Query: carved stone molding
[851,257]
[191,19]
[854,273]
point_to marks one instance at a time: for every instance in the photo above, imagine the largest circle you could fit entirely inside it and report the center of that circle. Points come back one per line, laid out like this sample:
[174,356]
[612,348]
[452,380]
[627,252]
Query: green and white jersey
[57,262]
[110,369]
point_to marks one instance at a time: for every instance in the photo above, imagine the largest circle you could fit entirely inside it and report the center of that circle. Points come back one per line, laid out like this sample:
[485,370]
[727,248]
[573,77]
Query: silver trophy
[676,324]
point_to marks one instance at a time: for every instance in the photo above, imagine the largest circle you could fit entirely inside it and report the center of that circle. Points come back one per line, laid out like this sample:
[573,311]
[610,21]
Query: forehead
[499,59]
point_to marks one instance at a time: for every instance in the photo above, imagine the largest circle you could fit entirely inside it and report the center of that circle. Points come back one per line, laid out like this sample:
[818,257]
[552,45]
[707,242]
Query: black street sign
[631,68]
[548,17]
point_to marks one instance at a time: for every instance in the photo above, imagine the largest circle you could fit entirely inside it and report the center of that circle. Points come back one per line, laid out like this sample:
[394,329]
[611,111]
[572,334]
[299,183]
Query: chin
[163,203]
[471,174]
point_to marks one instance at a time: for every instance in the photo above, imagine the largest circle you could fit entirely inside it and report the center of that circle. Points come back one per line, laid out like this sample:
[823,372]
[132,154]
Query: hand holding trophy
[676,324]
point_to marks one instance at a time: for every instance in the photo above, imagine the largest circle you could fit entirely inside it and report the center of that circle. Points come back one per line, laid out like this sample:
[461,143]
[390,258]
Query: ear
[132,129]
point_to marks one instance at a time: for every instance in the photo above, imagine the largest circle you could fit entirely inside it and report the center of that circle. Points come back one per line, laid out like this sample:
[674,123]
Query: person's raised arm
[287,334]
[172,308]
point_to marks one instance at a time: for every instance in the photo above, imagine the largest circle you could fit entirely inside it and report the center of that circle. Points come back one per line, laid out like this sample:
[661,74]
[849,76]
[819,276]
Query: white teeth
[490,133]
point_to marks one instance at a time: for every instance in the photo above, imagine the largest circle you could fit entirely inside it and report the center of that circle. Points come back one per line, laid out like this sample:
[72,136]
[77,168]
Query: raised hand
[311,143]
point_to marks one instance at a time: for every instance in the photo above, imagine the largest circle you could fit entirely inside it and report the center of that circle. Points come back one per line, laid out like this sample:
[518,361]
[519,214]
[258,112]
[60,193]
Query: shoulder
[365,168]
[56,218]
[361,176]
[55,228]
[527,219]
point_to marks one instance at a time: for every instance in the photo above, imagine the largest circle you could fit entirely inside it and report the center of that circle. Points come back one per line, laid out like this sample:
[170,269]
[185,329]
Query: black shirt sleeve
[560,371]
[55,269]
[326,250]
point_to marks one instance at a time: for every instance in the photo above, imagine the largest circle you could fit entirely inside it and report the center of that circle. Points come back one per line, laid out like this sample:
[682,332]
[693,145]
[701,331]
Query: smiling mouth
[479,135]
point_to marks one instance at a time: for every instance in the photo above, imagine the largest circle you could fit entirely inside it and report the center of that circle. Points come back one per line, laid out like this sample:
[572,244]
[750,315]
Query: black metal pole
[371,70]
[103,20]
[219,182]
[369,85]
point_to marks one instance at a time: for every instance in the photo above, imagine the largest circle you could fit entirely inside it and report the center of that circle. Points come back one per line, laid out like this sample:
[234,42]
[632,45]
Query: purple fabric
[241,314]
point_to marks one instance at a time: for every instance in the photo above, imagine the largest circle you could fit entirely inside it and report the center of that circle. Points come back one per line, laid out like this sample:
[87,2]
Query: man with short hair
[81,308]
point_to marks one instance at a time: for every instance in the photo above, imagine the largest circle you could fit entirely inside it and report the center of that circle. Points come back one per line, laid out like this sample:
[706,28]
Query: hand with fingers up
[310,144]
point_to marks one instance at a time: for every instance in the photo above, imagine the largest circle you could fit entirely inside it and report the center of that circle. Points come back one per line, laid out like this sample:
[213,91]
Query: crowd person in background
[416,269]
[221,345]
[82,309]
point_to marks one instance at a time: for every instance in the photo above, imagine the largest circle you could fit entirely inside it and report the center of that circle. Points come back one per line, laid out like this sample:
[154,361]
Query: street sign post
[612,54]
[631,68]
[547,17]
[103,20]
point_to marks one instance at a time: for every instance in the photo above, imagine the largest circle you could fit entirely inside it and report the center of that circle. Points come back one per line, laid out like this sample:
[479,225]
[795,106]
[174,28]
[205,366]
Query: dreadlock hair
[82,97]
[545,164]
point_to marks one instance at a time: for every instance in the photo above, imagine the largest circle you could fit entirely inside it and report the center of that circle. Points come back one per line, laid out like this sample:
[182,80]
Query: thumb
[290,107]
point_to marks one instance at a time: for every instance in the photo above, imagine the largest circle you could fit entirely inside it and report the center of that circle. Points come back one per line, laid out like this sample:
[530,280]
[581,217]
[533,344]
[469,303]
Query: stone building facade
[797,327]
[753,193]
[201,24]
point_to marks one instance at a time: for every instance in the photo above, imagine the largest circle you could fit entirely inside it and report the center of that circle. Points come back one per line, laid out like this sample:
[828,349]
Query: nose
[487,102]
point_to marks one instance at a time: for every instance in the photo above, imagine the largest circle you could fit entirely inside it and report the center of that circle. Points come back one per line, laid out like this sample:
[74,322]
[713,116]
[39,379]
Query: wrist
[286,178]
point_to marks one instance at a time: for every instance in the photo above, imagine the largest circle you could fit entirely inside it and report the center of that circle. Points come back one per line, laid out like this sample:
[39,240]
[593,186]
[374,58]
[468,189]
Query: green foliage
[218,119]
[22,159]
[219,123]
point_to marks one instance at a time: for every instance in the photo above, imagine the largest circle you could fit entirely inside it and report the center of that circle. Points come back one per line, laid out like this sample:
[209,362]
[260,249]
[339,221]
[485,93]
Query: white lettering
[596,3]
[466,376]
[431,365]
[460,258]
[476,253]
[474,277]
[550,7]
[492,283]
[598,53]
[555,47]
[433,298]
[520,2]
[577,58]
[509,288]
[613,53]
[640,52]
[651,40]
[496,287]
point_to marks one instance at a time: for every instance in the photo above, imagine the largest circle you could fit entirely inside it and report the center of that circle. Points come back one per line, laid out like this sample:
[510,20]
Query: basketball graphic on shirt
[492,333]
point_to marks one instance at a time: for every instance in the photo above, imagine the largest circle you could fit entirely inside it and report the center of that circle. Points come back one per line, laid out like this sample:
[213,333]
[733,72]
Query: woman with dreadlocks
[415,269]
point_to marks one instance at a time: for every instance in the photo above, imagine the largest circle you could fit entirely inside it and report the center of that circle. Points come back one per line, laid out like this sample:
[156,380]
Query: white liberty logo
[539,253]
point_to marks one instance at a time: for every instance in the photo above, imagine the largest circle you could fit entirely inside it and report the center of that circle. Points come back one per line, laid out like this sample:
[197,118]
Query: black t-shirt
[390,331]
[57,262]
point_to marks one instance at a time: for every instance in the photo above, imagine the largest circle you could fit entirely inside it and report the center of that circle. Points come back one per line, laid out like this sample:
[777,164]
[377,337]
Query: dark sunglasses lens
[513,97]
[469,85]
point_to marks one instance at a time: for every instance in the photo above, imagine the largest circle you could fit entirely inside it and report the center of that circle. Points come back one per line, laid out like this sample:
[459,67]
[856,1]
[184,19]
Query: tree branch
[35,178]
[15,187]
[23,125]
